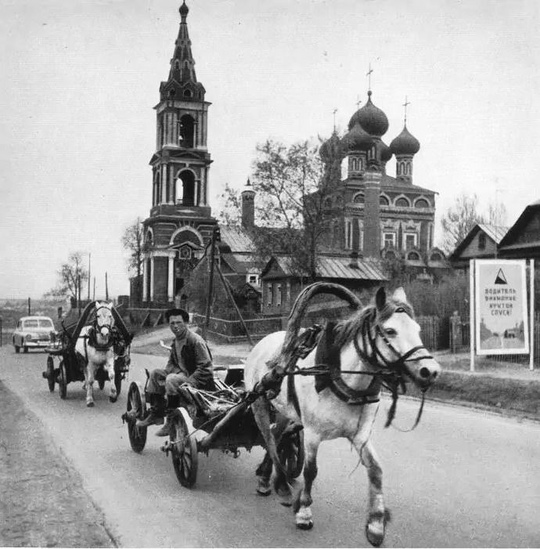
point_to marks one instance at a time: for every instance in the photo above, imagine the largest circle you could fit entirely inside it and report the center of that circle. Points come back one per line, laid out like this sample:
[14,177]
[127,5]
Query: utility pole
[94,294]
[216,236]
[106,288]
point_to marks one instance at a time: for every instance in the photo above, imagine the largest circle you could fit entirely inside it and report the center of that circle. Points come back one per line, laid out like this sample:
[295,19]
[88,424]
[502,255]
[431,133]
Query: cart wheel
[136,409]
[184,451]
[50,373]
[62,380]
[291,454]
[118,382]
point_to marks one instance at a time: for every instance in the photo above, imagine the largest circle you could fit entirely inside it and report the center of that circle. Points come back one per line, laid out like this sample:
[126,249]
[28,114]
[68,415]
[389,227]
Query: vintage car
[33,332]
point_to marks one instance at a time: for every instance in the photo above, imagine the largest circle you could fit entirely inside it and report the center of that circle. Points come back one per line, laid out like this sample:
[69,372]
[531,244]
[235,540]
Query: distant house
[523,239]
[481,243]
[281,286]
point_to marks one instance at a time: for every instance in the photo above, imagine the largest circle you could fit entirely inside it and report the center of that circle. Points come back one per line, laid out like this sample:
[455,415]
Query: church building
[374,216]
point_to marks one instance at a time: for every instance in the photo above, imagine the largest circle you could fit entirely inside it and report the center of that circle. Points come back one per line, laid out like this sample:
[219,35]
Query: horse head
[104,321]
[395,339]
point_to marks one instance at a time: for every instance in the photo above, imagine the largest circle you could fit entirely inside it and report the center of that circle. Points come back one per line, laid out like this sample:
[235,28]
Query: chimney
[248,206]
[372,214]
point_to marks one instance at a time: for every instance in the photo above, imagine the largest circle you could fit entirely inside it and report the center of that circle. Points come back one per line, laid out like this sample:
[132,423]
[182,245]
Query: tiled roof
[389,181]
[237,238]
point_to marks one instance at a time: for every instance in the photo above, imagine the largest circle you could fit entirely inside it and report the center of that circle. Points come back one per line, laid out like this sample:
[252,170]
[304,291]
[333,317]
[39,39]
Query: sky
[80,79]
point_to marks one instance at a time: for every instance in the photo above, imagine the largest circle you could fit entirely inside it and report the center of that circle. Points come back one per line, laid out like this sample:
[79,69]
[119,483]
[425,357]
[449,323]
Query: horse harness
[328,372]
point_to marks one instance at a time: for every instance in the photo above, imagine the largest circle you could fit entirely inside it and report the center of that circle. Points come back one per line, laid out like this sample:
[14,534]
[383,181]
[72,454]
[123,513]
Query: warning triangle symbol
[500,278]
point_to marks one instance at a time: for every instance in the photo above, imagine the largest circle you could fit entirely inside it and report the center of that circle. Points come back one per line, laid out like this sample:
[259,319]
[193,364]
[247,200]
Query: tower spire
[368,74]
[182,62]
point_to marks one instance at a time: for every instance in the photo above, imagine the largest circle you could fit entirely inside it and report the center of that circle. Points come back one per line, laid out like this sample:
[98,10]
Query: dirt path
[42,502]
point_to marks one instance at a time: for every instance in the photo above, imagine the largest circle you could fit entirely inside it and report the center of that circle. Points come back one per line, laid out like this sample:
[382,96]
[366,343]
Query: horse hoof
[90,404]
[375,536]
[304,520]
[264,491]
[113,398]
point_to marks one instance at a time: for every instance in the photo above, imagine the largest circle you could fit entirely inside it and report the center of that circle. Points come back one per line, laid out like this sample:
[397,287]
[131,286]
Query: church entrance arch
[186,187]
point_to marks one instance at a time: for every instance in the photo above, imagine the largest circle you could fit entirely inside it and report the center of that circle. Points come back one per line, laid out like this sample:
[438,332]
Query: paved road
[462,479]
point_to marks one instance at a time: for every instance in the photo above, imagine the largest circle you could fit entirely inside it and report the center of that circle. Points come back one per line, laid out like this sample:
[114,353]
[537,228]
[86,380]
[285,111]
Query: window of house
[278,295]
[411,240]
[253,279]
[481,241]
[389,239]
[269,294]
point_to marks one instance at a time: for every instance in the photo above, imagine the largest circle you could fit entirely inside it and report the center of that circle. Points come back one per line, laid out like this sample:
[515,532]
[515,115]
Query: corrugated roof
[495,232]
[339,267]
[237,238]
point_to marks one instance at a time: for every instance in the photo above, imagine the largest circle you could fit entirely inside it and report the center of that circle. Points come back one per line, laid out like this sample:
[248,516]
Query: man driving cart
[190,361]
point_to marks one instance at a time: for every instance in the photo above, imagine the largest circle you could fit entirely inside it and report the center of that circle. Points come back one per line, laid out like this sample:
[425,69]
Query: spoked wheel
[136,409]
[50,373]
[184,451]
[62,380]
[291,453]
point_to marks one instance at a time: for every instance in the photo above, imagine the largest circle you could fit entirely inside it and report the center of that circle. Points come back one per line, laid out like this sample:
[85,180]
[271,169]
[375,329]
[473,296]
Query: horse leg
[89,382]
[109,367]
[378,514]
[303,500]
[261,412]
[264,472]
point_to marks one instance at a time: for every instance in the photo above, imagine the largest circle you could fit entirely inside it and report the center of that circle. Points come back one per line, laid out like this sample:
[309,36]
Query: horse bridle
[96,328]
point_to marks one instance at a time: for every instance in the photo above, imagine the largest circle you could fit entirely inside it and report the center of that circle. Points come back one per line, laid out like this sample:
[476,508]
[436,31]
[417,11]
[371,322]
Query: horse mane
[359,322]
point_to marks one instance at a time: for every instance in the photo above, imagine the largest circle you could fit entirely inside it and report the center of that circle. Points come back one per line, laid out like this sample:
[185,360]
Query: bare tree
[72,275]
[133,242]
[459,219]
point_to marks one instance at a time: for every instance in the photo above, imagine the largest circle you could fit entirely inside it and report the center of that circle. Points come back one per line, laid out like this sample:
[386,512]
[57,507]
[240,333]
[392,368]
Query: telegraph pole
[216,236]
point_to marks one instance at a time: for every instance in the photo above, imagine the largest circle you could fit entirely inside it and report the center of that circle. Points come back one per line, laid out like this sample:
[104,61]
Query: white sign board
[501,307]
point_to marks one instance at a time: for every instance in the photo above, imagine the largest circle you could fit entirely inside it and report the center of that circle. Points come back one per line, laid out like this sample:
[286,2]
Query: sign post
[501,319]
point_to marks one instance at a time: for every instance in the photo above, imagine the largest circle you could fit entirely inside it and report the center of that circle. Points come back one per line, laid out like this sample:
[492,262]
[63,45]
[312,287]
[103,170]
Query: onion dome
[331,148]
[184,10]
[371,118]
[405,143]
[357,139]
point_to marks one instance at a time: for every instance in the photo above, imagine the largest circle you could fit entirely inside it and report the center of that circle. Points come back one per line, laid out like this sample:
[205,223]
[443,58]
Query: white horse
[378,345]
[96,350]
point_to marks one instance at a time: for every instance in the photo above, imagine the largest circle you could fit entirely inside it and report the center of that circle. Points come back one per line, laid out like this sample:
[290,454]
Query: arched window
[359,198]
[421,203]
[383,201]
[188,93]
[436,257]
[402,202]
[413,256]
[187,188]
[187,131]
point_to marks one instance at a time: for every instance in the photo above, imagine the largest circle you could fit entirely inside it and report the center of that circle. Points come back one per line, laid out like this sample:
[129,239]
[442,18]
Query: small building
[481,242]
[522,241]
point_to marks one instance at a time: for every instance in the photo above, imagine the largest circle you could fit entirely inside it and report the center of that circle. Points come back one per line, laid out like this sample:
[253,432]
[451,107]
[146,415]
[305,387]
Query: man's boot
[157,412]
[173,401]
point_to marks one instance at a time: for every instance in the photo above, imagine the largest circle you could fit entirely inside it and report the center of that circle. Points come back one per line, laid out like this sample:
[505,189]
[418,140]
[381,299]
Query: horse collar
[92,341]
[328,355]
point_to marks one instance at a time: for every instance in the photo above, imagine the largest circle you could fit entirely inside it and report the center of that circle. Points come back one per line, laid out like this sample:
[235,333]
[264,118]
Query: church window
[411,240]
[436,257]
[481,241]
[421,203]
[348,234]
[402,202]
[390,255]
[187,132]
[383,201]
[177,64]
[413,256]
[188,93]
[389,239]
[359,198]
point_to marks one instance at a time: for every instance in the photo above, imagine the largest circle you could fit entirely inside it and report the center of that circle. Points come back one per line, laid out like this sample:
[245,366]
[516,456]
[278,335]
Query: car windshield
[38,323]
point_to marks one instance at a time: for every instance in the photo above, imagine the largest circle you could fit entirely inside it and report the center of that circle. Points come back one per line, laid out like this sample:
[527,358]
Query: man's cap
[177,312]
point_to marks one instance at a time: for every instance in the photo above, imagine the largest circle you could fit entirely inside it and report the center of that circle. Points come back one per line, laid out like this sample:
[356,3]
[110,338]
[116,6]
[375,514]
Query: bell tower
[180,221]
